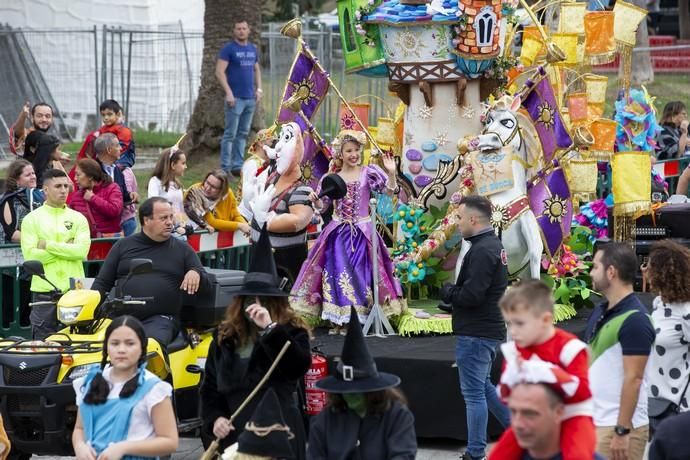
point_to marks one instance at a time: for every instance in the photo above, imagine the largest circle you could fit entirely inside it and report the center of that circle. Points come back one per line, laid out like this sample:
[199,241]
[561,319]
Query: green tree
[208,119]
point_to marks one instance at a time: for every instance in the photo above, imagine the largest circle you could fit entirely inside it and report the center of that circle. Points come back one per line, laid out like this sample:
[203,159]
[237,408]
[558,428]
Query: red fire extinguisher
[315,398]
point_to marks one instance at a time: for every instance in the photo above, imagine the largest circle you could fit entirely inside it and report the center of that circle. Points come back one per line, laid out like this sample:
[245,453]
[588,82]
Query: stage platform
[426,366]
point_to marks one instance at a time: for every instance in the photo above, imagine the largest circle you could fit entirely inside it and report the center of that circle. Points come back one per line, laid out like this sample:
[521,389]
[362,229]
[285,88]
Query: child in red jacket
[556,356]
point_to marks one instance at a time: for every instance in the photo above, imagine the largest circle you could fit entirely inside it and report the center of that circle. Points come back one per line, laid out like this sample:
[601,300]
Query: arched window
[348,26]
[484,25]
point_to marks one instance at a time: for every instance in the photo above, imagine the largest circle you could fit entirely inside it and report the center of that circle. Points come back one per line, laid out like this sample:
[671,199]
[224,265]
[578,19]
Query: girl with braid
[125,411]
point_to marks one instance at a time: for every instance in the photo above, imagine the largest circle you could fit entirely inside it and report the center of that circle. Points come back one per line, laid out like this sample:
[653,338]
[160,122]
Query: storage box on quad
[207,309]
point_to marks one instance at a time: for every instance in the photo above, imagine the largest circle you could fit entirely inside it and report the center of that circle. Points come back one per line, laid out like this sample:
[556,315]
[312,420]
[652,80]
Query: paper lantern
[347,119]
[567,42]
[596,88]
[532,46]
[577,107]
[385,131]
[600,46]
[604,132]
[631,182]
[572,18]
[595,110]
[582,177]
[627,19]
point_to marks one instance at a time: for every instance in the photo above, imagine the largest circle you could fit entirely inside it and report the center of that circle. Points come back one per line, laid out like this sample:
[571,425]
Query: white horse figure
[520,232]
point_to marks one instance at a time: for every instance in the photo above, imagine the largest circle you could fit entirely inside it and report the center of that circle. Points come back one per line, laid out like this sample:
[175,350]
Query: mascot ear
[515,105]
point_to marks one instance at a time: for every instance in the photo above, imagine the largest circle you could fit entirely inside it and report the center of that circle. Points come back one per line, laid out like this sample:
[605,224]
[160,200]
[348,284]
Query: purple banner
[310,83]
[314,162]
[540,104]
[549,199]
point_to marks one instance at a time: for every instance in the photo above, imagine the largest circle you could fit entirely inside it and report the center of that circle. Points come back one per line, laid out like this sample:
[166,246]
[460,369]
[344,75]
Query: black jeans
[43,317]
[162,328]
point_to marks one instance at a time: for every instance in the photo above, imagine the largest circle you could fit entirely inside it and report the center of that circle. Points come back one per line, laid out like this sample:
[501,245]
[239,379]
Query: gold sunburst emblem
[555,208]
[499,217]
[304,90]
[307,172]
[546,115]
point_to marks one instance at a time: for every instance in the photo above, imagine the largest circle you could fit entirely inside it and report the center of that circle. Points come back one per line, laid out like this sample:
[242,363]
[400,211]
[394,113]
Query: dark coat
[482,280]
[344,435]
[229,379]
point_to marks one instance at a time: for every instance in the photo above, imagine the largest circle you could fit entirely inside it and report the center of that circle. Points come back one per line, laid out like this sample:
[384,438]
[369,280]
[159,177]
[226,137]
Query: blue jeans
[474,356]
[129,226]
[238,120]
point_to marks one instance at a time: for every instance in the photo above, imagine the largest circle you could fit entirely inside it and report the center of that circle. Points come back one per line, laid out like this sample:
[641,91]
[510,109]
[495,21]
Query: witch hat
[266,434]
[333,186]
[356,371]
[262,277]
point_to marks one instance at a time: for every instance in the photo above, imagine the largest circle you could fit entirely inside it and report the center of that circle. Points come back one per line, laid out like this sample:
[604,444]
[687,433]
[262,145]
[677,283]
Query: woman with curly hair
[668,371]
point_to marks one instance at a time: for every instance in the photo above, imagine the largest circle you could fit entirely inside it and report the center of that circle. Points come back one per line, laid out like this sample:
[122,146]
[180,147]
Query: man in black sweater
[176,268]
[477,320]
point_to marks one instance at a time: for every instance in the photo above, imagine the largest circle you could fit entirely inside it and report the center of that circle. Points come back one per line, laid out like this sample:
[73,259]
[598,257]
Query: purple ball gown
[338,272]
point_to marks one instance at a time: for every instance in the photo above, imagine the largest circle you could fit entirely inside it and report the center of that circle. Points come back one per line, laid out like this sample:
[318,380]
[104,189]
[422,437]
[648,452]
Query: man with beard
[41,116]
[620,335]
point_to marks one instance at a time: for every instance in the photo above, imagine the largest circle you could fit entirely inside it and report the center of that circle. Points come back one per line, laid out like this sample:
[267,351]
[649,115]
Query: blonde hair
[529,295]
[343,137]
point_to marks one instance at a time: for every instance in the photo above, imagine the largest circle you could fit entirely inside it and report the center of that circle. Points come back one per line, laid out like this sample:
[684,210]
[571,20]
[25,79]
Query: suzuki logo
[22,365]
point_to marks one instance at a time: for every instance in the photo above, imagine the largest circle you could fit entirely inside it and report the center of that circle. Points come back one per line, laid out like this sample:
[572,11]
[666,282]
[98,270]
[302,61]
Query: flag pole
[293,29]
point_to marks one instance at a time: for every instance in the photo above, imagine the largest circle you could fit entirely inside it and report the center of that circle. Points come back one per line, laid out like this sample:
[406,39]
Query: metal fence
[154,73]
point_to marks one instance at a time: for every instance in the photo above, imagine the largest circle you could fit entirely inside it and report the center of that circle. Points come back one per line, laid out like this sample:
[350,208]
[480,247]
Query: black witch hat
[262,277]
[333,186]
[356,372]
[266,434]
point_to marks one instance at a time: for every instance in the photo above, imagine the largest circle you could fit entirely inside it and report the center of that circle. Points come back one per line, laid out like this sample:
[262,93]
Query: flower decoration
[368,31]
[594,215]
[500,69]
[416,272]
[637,125]
[567,263]
[459,27]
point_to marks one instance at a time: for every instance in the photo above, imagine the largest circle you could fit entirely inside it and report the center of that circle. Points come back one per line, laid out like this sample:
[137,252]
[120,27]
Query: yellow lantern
[582,178]
[596,88]
[532,46]
[600,47]
[577,108]
[567,42]
[627,19]
[604,132]
[572,17]
[385,132]
[631,182]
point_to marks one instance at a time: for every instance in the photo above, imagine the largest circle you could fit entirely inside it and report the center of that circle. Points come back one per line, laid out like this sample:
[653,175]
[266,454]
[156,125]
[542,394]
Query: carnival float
[496,103]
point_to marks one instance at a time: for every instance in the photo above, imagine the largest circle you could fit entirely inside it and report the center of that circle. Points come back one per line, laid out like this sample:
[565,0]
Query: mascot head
[290,148]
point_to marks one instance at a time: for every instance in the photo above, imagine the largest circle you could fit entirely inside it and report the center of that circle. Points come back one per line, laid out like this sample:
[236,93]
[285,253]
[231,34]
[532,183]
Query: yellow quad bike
[37,400]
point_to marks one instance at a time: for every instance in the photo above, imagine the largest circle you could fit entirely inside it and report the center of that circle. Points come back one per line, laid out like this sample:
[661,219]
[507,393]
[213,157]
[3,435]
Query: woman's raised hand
[259,314]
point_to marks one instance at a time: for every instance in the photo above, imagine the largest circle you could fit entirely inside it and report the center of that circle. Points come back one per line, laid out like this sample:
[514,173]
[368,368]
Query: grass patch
[142,139]
[666,88]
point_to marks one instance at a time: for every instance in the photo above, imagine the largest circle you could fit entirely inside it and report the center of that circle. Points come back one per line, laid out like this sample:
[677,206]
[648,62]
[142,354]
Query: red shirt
[568,353]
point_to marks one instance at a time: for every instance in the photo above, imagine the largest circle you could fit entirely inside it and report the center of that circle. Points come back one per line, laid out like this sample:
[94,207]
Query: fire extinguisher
[315,398]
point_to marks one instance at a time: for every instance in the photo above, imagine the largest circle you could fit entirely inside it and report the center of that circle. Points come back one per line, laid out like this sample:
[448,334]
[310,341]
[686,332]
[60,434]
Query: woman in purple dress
[338,272]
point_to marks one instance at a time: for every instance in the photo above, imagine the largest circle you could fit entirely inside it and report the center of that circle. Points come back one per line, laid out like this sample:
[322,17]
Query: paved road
[190,449]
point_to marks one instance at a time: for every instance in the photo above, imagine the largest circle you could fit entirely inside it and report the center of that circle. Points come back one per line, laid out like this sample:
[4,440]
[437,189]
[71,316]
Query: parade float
[467,70]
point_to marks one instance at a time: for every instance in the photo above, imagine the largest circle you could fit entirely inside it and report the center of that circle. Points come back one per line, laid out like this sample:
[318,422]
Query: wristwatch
[620,430]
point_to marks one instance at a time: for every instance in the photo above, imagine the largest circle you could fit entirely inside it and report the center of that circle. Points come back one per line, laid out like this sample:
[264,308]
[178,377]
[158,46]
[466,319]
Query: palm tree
[207,122]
